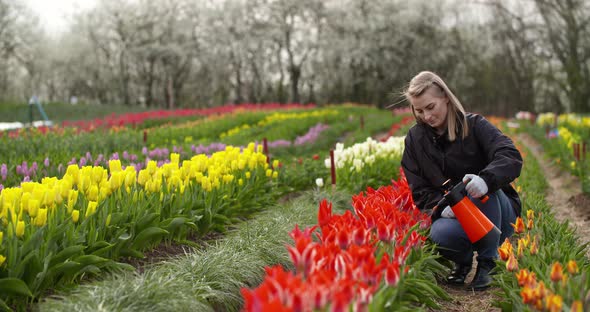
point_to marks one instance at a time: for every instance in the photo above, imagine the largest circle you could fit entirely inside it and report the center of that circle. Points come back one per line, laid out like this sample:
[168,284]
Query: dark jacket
[430,159]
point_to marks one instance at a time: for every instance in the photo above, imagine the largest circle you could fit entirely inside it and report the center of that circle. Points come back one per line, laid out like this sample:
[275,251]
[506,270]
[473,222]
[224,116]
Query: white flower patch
[367,153]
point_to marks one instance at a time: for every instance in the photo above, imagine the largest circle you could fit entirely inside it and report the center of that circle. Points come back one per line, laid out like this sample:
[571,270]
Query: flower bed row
[373,259]
[55,231]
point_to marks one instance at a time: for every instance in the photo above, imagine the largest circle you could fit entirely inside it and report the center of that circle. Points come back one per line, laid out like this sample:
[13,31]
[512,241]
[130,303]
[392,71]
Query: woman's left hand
[476,187]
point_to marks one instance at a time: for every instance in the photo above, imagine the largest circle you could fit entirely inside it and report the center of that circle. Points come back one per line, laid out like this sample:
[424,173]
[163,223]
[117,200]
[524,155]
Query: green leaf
[34,242]
[90,269]
[125,236]
[4,306]
[14,286]
[147,236]
[127,252]
[90,259]
[66,254]
[174,223]
[145,222]
[96,246]
[68,268]
[102,251]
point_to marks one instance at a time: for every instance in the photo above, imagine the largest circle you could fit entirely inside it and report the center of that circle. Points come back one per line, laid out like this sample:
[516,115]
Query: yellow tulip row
[38,200]
[574,120]
[280,117]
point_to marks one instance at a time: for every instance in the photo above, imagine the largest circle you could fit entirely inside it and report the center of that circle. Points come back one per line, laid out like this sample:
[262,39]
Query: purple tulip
[46,162]
[279,143]
[3,171]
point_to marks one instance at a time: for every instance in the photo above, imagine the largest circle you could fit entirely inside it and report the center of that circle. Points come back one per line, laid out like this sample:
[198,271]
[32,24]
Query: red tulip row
[352,257]
[138,118]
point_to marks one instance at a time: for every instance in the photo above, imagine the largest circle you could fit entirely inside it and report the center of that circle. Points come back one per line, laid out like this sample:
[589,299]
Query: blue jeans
[452,241]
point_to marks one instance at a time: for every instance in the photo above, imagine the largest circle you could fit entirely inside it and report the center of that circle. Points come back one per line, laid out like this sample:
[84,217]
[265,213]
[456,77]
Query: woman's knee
[447,232]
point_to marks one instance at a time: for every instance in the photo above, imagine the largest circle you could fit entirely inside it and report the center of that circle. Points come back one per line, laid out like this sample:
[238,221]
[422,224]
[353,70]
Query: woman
[448,143]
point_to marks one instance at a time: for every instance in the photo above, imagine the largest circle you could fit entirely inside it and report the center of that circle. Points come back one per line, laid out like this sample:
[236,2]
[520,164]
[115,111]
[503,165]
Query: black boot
[458,274]
[482,279]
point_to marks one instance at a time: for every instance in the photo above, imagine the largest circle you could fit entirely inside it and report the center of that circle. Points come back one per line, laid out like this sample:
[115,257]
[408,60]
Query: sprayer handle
[484,198]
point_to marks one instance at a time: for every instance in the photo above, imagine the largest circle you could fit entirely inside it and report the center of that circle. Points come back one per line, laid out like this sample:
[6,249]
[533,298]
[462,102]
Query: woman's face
[431,108]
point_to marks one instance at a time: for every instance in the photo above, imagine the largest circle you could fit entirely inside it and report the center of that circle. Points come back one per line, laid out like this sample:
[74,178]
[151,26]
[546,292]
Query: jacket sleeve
[424,194]
[504,160]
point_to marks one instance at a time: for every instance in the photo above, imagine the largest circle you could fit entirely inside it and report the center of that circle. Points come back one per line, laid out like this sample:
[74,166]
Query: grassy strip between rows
[208,279]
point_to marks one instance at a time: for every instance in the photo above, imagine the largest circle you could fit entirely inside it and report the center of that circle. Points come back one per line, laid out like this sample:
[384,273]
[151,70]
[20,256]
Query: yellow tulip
[24,202]
[75,215]
[1,237]
[33,207]
[20,228]
[72,199]
[241,182]
[108,222]
[41,218]
[143,177]
[74,172]
[2,259]
[91,208]
[275,174]
[93,193]
[175,158]
[115,165]
[152,166]
[130,176]
[28,186]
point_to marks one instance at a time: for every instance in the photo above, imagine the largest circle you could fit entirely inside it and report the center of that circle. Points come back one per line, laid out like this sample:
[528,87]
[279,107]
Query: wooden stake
[332,167]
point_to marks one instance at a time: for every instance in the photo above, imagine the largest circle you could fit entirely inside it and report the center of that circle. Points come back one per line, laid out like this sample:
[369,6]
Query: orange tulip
[572,267]
[505,249]
[534,248]
[577,306]
[518,226]
[530,214]
[526,278]
[554,303]
[528,295]
[512,263]
[529,224]
[556,272]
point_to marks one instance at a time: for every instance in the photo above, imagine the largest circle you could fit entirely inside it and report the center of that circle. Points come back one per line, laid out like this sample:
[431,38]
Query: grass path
[208,279]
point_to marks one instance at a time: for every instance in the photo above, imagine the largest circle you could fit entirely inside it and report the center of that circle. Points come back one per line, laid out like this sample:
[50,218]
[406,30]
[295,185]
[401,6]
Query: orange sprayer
[475,224]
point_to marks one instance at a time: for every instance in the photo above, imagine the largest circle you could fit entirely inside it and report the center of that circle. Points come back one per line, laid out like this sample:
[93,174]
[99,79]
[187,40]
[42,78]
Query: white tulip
[319,182]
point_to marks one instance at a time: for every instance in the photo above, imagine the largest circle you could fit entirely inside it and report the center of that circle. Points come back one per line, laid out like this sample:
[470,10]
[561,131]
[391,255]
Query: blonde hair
[455,122]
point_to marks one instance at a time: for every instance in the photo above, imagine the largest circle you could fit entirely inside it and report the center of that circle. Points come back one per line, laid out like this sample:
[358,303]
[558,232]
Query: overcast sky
[56,14]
